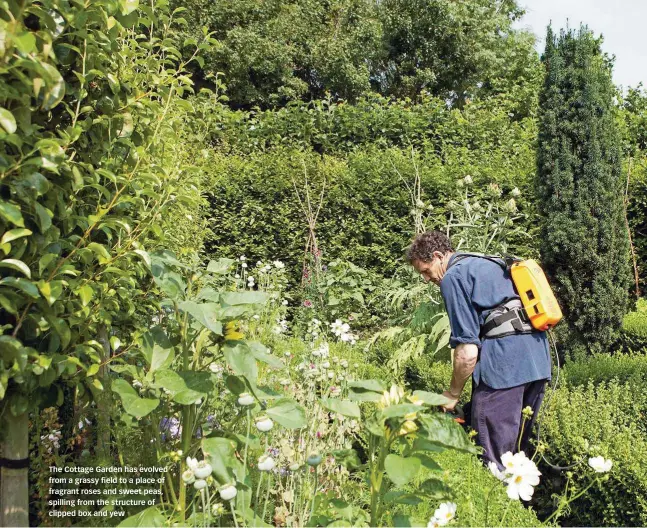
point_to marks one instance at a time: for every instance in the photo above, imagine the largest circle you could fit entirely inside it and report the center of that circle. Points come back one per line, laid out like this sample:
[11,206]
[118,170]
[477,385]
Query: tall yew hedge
[580,186]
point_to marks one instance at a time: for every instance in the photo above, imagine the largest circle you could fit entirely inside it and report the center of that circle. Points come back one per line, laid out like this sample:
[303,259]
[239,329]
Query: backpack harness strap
[508,318]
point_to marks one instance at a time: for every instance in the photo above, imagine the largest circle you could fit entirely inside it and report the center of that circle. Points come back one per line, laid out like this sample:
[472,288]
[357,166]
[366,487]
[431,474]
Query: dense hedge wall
[364,153]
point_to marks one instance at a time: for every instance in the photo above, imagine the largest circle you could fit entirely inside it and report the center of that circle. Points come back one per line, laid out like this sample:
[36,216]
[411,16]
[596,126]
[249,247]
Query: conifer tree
[584,243]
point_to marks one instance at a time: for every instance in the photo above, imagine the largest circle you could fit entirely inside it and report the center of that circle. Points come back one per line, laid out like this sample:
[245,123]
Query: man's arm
[465,357]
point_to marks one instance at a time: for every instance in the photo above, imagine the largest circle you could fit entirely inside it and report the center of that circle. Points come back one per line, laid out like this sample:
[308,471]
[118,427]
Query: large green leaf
[17,265]
[247,297]
[241,359]
[132,402]
[343,407]
[221,455]
[288,413]
[185,387]
[431,398]
[261,352]
[7,121]
[11,213]
[220,266]
[401,470]
[400,410]
[442,430]
[366,390]
[205,313]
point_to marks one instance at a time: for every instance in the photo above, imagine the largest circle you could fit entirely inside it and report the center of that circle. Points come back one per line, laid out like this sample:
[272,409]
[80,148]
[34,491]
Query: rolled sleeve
[463,317]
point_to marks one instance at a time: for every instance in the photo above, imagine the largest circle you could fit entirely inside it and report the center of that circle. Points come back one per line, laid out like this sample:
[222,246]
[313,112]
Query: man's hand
[449,407]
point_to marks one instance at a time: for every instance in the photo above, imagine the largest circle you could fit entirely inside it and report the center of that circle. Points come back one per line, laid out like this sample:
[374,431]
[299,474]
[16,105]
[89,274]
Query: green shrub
[471,481]
[589,420]
[634,327]
[599,368]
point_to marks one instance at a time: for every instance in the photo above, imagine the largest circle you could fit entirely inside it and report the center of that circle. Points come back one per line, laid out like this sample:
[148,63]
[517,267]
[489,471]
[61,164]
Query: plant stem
[249,428]
[233,513]
[507,507]
[314,495]
[487,504]
[267,493]
[258,488]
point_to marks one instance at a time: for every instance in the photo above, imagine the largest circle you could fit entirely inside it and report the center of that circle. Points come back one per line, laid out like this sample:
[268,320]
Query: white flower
[285,302]
[515,192]
[336,327]
[217,509]
[331,375]
[259,263]
[244,264]
[264,424]
[325,365]
[335,391]
[215,368]
[279,264]
[521,485]
[237,276]
[495,470]
[137,384]
[467,180]
[202,470]
[433,523]
[200,484]
[245,399]
[188,476]
[344,363]
[242,258]
[316,352]
[600,464]
[323,350]
[256,316]
[266,463]
[445,513]
[192,463]
[251,280]
[285,382]
[227,492]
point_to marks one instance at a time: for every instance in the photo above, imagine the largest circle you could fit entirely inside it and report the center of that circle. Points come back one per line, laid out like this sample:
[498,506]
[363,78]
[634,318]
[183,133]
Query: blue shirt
[470,288]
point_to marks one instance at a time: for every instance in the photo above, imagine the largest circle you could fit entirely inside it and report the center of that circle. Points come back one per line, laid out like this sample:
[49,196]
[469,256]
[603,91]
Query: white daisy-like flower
[496,471]
[445,513]
[278,264]
[600,464]
[266,463]
[521,485]
[337,327]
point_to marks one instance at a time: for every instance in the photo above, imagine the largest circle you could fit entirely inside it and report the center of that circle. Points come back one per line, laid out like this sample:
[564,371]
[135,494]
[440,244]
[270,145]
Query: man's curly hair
[423,246]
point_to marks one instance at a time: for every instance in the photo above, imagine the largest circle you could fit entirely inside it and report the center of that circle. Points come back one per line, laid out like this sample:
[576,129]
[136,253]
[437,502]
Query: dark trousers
[496,417]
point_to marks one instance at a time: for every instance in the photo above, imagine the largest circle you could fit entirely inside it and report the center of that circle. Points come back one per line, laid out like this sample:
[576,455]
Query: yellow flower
[408,427]
[231,333]
[391,397]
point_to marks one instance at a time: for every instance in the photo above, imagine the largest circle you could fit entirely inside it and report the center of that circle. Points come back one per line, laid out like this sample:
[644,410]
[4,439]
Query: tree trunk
[104,400]
[14,486]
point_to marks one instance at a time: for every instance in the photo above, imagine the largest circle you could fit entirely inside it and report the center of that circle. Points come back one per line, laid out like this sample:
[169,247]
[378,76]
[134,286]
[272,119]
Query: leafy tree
[271,52]
[90,107]
[580,186]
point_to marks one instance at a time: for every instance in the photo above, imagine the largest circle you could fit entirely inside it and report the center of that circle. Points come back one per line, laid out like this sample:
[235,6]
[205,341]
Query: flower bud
[245,399]
[202,470]
[227,492]
[314,460]
[266,463]
[200,484]
[264,424]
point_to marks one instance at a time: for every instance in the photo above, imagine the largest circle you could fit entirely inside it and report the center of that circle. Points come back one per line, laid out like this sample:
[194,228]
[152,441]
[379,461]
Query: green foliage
[91,108]
[599,419]
[580,186]
[625,368]
[274,51]
[471,482]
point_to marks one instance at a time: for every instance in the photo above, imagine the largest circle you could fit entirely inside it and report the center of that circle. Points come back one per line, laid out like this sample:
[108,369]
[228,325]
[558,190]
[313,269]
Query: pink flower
[307,303]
